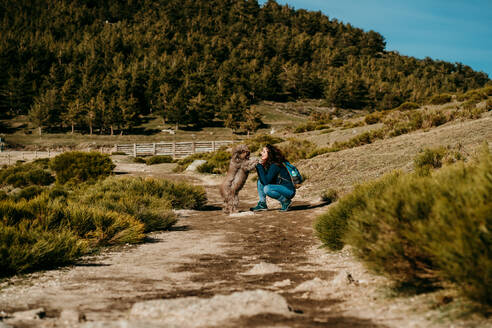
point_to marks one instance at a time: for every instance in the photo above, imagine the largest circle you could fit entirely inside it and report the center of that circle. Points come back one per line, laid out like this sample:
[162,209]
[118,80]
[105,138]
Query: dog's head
[241,153]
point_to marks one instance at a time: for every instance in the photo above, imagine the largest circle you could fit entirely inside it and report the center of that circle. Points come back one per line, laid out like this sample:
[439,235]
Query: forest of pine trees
[90,65]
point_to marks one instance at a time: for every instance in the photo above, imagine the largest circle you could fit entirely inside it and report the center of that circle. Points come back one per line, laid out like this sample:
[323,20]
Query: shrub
[351,125]
[118,153]
[459,236]
[476,95]
[373,118]
[25,248]
[305,127]
[331,226]
[433,118]
[29,192]
[21,175]
[296,150]
[488,105]
[145,199]
[217,163]
[429,158]
[409,106]
[440,99]
[139,160]
[57,192]
[260,141]
[329,196]
[158,159]
[81,166]
[185,162]
[384,231]
[422,231]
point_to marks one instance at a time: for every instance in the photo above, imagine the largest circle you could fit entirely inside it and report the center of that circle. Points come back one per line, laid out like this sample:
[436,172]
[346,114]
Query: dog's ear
[235,155]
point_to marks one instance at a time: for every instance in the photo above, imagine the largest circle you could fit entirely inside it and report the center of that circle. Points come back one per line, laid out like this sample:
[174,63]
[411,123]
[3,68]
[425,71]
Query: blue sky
[452,30]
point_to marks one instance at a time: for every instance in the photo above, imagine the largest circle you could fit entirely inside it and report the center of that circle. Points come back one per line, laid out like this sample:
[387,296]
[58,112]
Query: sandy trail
[207,253]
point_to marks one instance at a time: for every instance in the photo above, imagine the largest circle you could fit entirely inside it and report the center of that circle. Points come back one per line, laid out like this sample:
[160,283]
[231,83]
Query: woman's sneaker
[285,205]
[262,206]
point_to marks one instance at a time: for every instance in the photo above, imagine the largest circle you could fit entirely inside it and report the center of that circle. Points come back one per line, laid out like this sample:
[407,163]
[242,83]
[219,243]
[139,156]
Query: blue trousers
[279,192]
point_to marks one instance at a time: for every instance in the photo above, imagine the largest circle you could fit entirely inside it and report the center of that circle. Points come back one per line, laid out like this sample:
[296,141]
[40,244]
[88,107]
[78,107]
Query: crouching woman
[273,179]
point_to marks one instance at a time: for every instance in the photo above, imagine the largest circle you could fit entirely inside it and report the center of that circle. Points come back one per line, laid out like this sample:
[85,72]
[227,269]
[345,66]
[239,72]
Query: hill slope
[342,170]
[100,64]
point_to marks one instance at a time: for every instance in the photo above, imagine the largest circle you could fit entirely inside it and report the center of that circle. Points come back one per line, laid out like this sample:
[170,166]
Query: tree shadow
[6,128]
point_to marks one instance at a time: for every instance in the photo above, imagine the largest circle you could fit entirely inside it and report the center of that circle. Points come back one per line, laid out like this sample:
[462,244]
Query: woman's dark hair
[275,156]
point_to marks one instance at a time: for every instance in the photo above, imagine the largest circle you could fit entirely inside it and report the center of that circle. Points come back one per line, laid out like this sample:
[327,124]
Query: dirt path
[207,253]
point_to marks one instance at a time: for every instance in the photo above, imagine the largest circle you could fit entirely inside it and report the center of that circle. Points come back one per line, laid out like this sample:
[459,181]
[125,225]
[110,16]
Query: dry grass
[343,169]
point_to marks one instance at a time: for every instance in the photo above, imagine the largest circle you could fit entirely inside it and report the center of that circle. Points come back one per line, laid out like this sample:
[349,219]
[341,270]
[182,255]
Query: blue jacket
[275,175]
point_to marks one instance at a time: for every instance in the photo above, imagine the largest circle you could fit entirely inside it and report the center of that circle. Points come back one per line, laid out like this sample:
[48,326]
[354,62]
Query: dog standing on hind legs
[238,172]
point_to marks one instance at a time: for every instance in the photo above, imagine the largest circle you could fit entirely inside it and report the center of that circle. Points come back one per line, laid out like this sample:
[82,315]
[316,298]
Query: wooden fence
[12,156]
[174,149]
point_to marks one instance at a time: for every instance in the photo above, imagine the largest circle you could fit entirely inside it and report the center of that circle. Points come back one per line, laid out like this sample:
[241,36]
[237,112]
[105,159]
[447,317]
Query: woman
[273,179]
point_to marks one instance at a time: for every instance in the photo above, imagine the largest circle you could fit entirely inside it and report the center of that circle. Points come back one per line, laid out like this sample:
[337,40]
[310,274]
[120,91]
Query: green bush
[146,199]
[217,163]
[329,196]
[139,160]
[185,162]
[44,233]
[29,192]
[78,166]
[488,105]
[373,118]
[440,99]
[305,127]
[422,231]
[429,158]
[331,226]
[24,248]
[260,140]
[296,150]
[26,174]
[361,139]
[57,192]
[408,106]
[159,159]
[476,95]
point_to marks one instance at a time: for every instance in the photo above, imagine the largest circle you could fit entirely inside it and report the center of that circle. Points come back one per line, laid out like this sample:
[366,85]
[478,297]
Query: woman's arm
[269,177]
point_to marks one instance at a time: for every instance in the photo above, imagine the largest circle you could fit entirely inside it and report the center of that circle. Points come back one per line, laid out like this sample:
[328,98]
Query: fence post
[153,145]
[213,146]
[49,153]
[193,148]
[134,150]
[174,149]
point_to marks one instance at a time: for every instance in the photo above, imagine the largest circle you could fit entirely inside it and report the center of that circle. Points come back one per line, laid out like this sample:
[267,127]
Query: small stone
[71,316]
[263,268]
[282,283]
[34,314]
[196,163]
[201,312]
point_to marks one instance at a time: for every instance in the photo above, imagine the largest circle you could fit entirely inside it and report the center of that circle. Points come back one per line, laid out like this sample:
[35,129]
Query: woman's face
[264,154]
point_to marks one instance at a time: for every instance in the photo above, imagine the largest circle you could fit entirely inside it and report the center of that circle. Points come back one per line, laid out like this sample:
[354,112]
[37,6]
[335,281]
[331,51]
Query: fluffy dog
[237,174]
